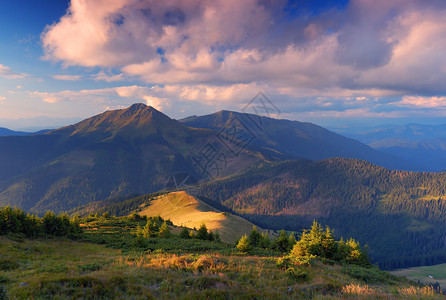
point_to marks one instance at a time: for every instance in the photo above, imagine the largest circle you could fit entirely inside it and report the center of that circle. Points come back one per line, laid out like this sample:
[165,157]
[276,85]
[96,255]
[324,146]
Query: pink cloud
[422,102]
[6,72]
[215,51]
[68,77]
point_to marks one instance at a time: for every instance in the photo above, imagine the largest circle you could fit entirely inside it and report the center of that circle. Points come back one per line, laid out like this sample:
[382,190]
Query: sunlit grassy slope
[185,210]
[437,272]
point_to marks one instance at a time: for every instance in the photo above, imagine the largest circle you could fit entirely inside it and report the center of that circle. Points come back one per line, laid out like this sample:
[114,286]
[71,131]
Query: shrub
[299,275]
[185,233]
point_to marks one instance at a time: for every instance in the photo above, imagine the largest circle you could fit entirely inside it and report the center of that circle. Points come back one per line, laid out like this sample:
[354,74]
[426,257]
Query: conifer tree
[184,233]
[202,233]
[164,231]
[243,244]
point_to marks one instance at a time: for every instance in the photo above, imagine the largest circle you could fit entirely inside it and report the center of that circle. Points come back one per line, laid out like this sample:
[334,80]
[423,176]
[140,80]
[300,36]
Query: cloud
[68,77]
[99,96]
[2,98]
[372,54]
[422,102]
[6,72]
[102,76]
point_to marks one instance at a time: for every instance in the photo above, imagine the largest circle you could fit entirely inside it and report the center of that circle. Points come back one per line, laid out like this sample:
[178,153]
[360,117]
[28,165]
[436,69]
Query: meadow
[108,260]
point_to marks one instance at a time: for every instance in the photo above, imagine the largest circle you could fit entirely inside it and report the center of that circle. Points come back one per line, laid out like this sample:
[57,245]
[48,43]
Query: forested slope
[401,215]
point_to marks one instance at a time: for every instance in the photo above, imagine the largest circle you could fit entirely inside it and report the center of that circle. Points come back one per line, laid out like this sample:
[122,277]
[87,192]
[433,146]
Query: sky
[334,63]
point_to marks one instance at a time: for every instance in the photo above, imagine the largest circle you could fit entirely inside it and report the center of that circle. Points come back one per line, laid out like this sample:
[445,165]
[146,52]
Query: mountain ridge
[299,139]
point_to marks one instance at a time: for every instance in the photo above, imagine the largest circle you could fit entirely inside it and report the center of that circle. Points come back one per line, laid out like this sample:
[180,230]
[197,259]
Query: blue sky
[335,63]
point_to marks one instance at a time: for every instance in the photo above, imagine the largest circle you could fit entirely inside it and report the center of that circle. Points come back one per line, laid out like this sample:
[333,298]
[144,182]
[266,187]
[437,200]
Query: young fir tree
[255,237]
[202,233]
[243,244]
[164,231]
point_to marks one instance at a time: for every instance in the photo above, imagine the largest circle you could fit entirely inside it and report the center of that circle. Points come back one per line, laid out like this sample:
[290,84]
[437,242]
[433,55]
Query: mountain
[400,215]
[7,132]
[420,144]
[409,132]
[430,153]
[120,152]
[297,139]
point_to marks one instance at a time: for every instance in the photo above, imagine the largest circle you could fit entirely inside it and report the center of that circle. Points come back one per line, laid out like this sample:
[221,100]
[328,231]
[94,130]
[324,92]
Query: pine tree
[243,244]
[202,233]
[265,242]
[254,237]
[164,231]
[184,233]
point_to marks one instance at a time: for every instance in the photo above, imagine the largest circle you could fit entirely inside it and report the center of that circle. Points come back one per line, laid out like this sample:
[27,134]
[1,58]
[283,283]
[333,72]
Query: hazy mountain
[401,215]
[298,139]
[120,152]
[409,132]
[8,132]
[431,153]
[420,144]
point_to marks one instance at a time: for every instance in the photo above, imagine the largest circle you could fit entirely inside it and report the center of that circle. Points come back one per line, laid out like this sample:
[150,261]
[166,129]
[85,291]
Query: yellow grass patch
[185,210]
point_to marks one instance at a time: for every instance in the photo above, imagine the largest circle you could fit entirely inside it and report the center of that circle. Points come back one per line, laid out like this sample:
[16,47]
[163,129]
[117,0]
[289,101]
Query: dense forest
[400,215]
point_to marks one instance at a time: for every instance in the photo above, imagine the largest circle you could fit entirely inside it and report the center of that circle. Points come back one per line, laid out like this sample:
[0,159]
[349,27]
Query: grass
[110,262]
[70,269]
[438,273]
[188,211]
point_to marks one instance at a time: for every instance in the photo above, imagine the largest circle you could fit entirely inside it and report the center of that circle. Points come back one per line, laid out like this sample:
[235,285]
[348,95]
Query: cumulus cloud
[227,50]
[6,72]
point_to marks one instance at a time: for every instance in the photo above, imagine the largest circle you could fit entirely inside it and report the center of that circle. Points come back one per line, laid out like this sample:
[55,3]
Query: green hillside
[427,274]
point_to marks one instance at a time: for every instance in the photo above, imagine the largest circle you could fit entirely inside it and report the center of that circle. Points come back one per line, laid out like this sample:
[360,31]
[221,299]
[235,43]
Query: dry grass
[426,291]
[357,289]
[188,211]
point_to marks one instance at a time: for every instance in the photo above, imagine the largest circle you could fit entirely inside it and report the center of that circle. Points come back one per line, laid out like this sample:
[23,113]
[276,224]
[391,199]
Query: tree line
[16,221]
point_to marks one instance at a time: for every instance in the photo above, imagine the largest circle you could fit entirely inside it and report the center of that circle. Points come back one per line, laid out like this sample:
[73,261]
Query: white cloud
[2,98]
[6,72]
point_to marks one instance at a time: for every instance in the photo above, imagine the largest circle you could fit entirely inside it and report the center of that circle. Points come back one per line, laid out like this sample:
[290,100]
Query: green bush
[368,275]
[299,275]
[89,267]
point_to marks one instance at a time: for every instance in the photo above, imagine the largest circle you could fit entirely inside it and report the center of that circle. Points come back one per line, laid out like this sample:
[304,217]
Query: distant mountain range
[299,140]
[419,144]
[7,132]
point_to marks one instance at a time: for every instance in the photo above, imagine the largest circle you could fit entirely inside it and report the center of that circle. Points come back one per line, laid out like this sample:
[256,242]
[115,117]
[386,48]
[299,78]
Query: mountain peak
[135,116]
[138,107]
